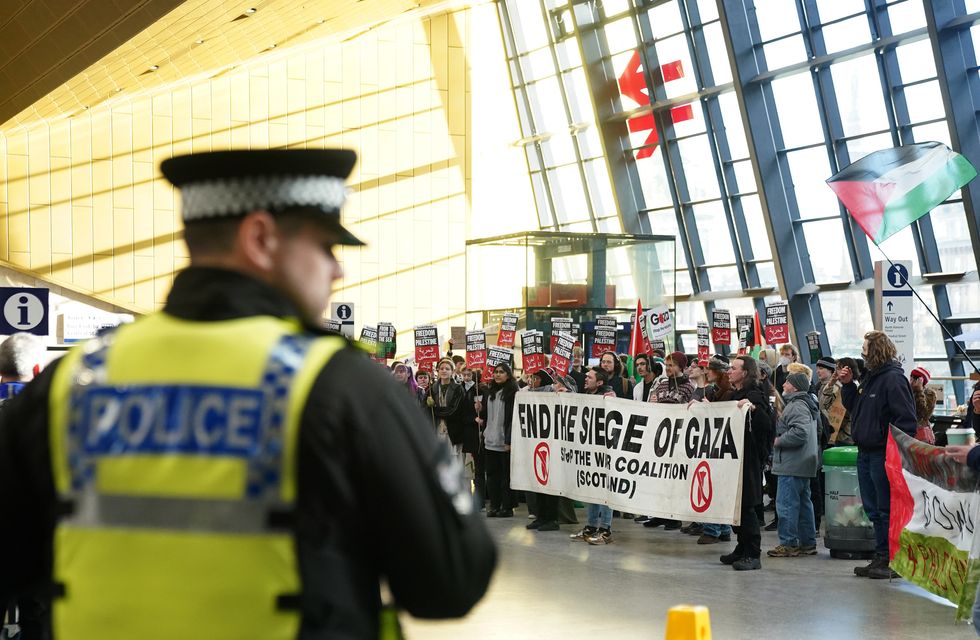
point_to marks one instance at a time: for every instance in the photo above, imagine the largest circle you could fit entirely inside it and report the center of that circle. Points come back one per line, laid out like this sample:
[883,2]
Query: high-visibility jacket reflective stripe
[174,444]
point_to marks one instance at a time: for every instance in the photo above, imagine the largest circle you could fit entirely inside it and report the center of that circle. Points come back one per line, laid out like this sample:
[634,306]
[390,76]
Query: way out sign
[893,306]
[24,309]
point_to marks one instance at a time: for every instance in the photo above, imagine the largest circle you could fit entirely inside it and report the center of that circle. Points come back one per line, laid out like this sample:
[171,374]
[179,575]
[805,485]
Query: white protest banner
[659,459]
[508,329]
[426,346]
[659,323]
[605,335]
[777,322]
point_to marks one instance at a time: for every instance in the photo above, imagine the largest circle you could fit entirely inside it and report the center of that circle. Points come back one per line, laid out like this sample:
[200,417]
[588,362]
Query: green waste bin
[848,532]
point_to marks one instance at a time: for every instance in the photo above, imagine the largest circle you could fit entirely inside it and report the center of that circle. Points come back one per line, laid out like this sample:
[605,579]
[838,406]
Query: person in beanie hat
[925,404]
[674,387]
[795,461]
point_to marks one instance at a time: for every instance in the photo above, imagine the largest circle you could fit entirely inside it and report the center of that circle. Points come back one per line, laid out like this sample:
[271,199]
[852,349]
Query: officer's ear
[258,239]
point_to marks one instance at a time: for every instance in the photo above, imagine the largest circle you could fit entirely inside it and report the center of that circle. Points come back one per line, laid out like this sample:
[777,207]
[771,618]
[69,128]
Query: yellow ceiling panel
[59,57]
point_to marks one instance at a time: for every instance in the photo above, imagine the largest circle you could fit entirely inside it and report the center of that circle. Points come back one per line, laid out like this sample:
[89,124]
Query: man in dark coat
[758,442]
[883,398]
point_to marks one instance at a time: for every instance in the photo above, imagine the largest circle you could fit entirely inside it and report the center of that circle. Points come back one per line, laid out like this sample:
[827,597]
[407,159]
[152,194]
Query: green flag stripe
[917,202]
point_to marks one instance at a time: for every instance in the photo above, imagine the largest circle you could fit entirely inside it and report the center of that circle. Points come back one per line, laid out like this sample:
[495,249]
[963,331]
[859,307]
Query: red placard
[558,327]
[508,330]
[704,346]
[426,347]
[561,357]
[476,349]
[532,351]
[721,326]
[777,322]
[605,335]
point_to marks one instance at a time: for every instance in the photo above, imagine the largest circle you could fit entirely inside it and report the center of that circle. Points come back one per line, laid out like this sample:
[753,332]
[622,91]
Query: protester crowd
[795,414]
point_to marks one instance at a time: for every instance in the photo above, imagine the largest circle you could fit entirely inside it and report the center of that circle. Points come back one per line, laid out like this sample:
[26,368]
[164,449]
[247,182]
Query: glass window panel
[614,7]
[689,127]
[744,176]
[672,50]
[964,298]
[588,142]
[577,90]
[938,131]
[537,64]
[597,176]
[522,114]
[915,61]
[833,9]
[547,106]
[828,251]
[862,109]
[699,169]
[767,274]
[529,27]
[568,54]
[724,279]
[619,62]
[532,157]
[928,336]
[584,12]
[712,226]
[620,35]
[809,168]
[611,225]
[908,15]
[923,103]
[900,246]
[554,4]
[689,314]
[847,317]
[860,147]
[784,52]
[665,19]
[559,149]
[708,10]
[664,222]
[541,200]
[582,226]
[953,237]
[721,69]
[641,137]
[568,193]
[756,224]
[734,131]
[796,104]
[653,182]
[846,34]
[776,18]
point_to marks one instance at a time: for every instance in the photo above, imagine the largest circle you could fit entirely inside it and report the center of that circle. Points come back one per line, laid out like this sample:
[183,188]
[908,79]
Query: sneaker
[672,525]
[747,564]
[696,529]
[583,534]
[505,513]
[772,526]
[642,519]
[731,558]
[706,539]
[863,572]
[782,551]
[653,523]
[687,527]
[533,525]
[602,536]
[882,571]
[808,551]
[548,526]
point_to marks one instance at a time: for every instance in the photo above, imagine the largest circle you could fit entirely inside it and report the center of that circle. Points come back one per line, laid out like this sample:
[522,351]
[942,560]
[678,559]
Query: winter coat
[469,431]
[828,395]
[676,390]
[453,410]
[757,443]
[796,451]
[883,398]
[621,386]
[496,434]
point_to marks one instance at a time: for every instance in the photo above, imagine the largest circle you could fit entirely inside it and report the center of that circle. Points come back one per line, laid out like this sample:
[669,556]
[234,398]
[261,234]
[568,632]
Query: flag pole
[934,316]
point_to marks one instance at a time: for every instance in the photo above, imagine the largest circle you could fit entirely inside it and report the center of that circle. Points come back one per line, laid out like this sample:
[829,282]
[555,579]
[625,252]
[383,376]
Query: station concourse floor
[547,586]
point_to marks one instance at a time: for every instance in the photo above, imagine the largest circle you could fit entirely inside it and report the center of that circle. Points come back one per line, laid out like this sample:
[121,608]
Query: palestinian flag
[636,341]
[888,190]
[934,502]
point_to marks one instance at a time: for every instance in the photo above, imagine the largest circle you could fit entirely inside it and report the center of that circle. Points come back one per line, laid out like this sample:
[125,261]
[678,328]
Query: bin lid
[840,457]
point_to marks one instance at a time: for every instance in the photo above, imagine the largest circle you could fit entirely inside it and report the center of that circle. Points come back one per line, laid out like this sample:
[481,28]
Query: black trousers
[547,508]
[480,476]
[748,534]
[498,480]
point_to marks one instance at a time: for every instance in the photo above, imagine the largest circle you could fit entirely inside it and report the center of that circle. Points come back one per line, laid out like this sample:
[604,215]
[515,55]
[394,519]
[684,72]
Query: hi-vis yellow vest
[173,444]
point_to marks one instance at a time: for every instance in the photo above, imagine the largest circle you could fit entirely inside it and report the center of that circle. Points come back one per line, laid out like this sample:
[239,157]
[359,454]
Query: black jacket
[883,398]
[370,505]
[759,434]
[452,412]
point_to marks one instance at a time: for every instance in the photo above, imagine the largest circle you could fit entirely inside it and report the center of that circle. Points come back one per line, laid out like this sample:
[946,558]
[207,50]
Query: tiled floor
[547,586]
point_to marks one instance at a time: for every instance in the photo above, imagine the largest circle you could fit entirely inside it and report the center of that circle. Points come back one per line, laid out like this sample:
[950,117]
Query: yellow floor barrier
[688,622]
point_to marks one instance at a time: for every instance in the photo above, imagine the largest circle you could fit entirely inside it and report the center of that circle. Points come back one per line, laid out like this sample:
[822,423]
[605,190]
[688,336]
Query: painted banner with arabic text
[932,539]
[656,459]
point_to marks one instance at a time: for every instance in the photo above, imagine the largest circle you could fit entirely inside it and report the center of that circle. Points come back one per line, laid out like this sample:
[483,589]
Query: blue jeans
[875,495]
[795,510]
[600,516]
[716,530]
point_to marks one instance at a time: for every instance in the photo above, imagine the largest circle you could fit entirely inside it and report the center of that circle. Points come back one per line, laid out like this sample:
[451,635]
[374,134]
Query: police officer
[224,468]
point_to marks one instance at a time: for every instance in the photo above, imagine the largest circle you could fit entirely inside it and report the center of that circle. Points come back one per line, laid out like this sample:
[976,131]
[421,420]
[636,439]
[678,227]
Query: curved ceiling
[59,57]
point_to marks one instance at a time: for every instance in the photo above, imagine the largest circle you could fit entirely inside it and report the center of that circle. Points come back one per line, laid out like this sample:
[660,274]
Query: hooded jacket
[796,451]
[883,398]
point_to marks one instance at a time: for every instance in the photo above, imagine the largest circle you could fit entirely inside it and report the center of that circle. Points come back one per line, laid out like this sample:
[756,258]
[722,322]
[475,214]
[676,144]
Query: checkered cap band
[236,196]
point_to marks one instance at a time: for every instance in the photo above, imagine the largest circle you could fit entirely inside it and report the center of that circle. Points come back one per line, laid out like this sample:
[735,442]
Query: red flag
[636,336]
[758,331]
